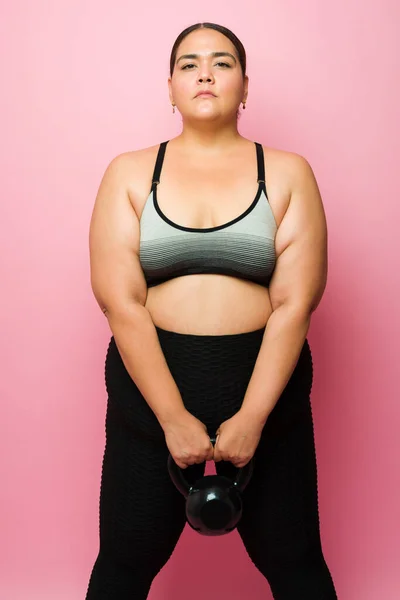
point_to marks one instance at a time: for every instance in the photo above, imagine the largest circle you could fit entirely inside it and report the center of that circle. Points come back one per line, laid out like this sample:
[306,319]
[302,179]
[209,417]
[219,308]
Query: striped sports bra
[243,247]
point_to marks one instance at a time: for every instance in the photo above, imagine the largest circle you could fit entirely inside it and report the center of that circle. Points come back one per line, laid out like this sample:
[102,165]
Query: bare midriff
[209,304]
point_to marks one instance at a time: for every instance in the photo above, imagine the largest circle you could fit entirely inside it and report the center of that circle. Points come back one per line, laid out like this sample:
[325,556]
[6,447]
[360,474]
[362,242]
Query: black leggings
[141,512]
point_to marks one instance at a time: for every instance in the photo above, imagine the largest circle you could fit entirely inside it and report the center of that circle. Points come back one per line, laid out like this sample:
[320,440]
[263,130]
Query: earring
[173,108]
[244,105]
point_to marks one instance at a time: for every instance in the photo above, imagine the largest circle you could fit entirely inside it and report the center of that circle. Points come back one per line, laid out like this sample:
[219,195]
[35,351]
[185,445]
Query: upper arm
[117,278]
[300,274]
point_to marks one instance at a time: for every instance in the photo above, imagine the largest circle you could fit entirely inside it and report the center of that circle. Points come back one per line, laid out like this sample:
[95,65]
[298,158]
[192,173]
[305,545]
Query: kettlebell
[214,502]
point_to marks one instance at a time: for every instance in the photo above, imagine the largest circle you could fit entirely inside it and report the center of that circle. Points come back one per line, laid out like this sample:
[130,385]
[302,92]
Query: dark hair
[224,30]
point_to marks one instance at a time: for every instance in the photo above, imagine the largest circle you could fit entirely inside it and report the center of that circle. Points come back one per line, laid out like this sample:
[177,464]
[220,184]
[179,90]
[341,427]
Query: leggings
[142,514]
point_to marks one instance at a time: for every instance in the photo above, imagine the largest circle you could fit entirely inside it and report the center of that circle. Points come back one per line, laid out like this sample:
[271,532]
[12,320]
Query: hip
[212,373]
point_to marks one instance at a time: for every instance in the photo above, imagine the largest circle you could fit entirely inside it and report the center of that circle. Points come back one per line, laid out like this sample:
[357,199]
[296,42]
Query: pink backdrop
[83,81]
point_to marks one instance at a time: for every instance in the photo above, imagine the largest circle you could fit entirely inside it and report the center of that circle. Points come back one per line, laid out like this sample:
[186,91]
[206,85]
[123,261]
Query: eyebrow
[213,54]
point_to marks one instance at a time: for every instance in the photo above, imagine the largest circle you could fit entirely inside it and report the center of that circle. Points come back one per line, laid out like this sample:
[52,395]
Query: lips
[205,94]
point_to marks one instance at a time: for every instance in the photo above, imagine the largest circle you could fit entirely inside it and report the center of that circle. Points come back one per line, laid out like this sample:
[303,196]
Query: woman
[208,283]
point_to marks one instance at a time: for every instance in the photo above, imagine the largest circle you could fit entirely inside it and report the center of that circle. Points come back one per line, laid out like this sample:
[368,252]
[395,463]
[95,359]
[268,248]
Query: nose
[205,74]
[203,79]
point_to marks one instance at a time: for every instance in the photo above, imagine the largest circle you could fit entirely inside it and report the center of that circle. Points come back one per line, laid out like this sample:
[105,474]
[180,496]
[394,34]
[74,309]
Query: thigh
[280,520]
[142,514]
[280,504]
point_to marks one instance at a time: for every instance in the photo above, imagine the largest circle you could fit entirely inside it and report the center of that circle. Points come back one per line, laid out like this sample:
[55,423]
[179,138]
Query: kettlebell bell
[214,502]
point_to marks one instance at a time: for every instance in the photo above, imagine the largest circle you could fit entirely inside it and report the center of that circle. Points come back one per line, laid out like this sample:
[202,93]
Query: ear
[171,98]
[245,88]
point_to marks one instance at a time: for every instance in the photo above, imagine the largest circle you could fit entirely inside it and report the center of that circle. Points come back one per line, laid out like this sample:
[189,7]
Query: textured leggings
[142,515]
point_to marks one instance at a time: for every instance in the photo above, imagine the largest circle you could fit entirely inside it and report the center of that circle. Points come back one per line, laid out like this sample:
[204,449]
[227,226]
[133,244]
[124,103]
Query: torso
[219,188]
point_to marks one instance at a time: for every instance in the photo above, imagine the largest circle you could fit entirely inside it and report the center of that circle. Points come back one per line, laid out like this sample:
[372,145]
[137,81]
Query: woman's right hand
[187,440]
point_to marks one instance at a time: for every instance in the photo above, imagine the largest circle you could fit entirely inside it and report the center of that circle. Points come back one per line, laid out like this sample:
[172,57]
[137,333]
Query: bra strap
[260,164]
[159,162]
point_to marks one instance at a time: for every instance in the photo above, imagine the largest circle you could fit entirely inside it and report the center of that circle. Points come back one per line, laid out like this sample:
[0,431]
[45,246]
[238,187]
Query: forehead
[205,40]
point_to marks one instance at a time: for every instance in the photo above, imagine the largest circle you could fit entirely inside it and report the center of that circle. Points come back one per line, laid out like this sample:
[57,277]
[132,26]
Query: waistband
[166,333]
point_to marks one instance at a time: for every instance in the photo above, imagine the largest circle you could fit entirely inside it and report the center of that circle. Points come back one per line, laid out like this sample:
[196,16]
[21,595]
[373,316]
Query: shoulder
[136,160]
[291,166]
[294,193]
[132,171]
[294,176]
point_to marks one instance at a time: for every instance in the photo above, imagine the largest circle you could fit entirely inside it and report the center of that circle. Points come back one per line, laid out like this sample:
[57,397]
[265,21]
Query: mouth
[205,95]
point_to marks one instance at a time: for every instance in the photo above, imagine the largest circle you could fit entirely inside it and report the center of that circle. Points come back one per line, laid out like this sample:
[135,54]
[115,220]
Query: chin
[204,116]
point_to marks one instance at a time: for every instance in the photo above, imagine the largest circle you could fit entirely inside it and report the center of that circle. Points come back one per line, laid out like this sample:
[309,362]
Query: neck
[209,136]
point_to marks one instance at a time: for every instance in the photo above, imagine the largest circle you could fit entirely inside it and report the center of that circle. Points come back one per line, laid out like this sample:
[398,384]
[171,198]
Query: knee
[298,574]
[276,553]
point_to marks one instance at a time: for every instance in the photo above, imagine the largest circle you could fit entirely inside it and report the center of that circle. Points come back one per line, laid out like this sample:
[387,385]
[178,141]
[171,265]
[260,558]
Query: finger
[240,463]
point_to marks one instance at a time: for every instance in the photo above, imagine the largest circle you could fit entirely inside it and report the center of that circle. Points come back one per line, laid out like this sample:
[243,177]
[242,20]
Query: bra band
[160,159]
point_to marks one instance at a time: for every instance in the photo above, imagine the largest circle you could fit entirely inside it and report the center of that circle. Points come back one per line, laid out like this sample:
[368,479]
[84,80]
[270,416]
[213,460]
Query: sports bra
[243,247]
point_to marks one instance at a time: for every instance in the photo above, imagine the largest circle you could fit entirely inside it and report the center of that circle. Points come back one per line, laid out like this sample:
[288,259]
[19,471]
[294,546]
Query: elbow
[119,305]
[129,318]
[130,309]
[295,311]
[116,304]
[132,316]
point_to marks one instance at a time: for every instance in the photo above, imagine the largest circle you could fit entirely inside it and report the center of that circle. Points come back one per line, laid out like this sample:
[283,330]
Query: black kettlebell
[214,502]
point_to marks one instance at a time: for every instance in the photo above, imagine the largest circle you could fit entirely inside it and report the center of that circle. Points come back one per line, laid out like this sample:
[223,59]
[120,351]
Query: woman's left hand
[237,439]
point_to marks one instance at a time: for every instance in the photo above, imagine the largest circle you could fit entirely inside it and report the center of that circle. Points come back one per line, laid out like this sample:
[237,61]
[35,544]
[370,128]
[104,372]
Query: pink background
[84,81]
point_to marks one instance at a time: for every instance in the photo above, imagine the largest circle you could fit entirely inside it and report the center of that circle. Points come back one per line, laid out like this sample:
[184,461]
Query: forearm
[280,349]
[137,341]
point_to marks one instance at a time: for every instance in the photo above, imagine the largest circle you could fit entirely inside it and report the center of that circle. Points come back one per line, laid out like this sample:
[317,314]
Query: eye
[186,67]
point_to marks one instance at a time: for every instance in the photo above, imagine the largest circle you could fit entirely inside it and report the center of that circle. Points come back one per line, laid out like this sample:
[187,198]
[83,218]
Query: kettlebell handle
[241,480]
